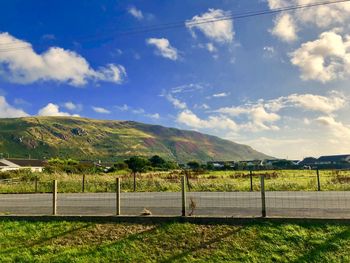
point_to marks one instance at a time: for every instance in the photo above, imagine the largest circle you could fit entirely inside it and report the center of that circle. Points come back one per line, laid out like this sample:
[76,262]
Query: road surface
[236,204]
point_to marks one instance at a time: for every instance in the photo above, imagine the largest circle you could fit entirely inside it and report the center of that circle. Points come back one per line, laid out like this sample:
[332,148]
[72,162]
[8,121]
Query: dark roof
[27,162]
[308,161]
[333,158]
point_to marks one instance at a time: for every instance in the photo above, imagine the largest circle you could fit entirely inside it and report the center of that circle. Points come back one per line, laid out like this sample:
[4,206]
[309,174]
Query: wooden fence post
[83,184]
[36,184]
[54,197]
[117,196]
[134,181]
[251,180]
[183,190]
[263,201]
[318,180]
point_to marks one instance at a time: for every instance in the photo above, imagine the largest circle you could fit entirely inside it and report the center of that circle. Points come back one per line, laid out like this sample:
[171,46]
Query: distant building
[327,161]
[17,164]
[333,159]
[222,164]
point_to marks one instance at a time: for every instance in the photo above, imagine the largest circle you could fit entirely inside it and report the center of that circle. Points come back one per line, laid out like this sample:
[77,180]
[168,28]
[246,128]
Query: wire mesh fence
[314,194]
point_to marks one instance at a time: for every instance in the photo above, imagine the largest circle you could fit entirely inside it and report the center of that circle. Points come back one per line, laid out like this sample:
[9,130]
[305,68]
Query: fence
[318,194]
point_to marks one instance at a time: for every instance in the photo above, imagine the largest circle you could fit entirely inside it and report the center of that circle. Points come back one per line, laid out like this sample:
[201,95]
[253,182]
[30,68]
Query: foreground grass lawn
[173,242]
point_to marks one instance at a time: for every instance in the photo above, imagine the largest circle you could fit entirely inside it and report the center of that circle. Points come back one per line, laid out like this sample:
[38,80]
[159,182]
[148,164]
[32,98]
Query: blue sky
[276,82]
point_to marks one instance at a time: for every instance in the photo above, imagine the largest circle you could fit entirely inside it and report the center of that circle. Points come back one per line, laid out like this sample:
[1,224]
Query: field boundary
[172,219]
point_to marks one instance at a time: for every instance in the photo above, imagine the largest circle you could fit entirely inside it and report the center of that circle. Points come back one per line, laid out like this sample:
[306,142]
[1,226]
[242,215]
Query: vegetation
[283,180]
[87,139]
[63,241]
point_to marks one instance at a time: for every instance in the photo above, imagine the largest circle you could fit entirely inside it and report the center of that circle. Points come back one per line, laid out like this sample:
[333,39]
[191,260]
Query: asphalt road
[236,204]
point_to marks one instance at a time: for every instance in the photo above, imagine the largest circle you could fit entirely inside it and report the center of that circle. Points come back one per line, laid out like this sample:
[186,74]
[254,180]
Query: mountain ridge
[84,138]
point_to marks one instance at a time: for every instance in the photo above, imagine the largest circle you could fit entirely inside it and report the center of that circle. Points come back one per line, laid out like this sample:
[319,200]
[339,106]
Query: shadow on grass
[121,241]
[29,244]
[327,246]
[202,245]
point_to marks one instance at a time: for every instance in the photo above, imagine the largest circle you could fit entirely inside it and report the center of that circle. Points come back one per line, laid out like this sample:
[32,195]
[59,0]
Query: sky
[277,82]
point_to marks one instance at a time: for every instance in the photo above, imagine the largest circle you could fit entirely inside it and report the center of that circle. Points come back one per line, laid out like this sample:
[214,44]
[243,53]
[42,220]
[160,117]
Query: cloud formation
[135,12]
[287,25]
[100,110]
[72,106]
[219,31]
[285,28]
[52,109]
[8,111]
[56,64]
[163,48]
[190,119]
[324,59]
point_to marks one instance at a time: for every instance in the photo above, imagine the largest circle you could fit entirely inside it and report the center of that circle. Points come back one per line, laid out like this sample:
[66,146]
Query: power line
[147,29]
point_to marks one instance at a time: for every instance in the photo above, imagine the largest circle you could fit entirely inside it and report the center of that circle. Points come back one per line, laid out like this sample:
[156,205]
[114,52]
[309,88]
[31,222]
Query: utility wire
[7,47]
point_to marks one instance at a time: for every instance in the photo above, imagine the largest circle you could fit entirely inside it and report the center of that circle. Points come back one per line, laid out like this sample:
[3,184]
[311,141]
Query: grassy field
[283,180]
[173,242]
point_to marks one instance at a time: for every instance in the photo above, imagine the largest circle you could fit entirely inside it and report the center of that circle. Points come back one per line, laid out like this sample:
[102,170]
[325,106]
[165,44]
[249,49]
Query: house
[333,159]
[308,162]
[16,164]
[327,162]
[218,165]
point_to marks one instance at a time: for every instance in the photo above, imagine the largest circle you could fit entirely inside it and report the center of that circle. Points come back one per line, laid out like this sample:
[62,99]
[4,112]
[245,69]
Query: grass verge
[62,241]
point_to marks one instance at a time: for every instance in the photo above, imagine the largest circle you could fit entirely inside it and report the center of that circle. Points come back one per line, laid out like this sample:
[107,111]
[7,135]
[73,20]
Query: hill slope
[80,138]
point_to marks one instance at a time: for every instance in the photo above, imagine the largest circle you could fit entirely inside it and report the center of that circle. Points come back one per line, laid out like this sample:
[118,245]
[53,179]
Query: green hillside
[80,138]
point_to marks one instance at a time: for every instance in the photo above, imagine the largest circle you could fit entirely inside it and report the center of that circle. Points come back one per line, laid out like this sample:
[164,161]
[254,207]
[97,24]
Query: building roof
[2,164]
[27,162]
[333,158]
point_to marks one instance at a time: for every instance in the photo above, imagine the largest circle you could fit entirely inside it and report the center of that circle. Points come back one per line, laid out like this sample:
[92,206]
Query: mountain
[81,138]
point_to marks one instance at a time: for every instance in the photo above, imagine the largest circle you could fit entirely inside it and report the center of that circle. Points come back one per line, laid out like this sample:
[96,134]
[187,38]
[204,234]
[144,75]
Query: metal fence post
[54,197]
[183,190]
[83,184]
[117,196]
[251,180]
[263,201]
[318,180]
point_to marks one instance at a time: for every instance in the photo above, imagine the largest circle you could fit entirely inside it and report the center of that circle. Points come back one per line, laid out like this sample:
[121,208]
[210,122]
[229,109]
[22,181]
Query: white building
[16,164]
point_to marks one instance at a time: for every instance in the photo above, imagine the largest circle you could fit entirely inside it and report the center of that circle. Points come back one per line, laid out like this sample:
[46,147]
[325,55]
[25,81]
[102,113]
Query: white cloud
[176,102]
[262,114]
[269,51]
[324,59]
[259,118]
[211,48]
[100,110]
[187,88]
[202,106]
[337,128]
[220,31]
[155,116]
[53,110]
[8,111]
[188,118]
[322,17]
[221,95]
[285,28]
[123,107]
[56,64]
[135,12]
[163,48]
[334,102]
[72,106]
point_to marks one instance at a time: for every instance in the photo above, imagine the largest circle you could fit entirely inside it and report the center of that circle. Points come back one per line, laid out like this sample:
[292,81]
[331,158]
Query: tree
[120,166]
[137,165]
[193,165]
[157,161]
